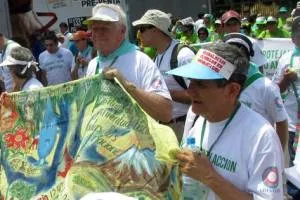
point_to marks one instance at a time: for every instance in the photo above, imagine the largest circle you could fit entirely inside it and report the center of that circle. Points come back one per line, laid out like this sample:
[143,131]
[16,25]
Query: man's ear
[233,90]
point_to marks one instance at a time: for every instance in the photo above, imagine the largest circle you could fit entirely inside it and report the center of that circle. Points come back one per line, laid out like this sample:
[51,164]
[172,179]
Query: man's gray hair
[233,55]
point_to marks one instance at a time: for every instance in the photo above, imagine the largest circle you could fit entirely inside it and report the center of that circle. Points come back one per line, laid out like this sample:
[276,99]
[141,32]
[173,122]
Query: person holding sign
[118,58]
[287,76]
[240,155]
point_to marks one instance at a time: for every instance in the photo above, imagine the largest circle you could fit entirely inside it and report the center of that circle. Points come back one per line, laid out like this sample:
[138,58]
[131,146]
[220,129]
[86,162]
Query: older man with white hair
[117,57]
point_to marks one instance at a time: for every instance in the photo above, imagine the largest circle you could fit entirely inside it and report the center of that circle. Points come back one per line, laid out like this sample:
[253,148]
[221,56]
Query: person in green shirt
[186,31]
[260,24]
[218,34]
[273,31]
[282,16]
[203,34]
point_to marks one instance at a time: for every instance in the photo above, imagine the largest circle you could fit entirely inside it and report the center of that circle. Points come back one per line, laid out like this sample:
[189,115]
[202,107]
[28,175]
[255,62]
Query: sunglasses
[144,28]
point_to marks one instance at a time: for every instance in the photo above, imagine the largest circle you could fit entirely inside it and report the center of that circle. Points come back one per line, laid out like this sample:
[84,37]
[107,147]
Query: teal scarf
[124,48]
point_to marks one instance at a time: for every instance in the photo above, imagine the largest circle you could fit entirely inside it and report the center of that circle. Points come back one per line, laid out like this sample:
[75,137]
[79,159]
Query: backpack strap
[174,63]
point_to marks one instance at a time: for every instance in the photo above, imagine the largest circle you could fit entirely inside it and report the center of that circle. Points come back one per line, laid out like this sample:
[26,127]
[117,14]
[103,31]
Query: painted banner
[65,141]
[273,49]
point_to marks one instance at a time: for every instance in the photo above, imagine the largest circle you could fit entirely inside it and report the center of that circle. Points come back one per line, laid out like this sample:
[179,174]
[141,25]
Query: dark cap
[229,15]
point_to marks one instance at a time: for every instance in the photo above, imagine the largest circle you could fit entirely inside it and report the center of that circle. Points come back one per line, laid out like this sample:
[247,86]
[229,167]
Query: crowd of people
[215,96]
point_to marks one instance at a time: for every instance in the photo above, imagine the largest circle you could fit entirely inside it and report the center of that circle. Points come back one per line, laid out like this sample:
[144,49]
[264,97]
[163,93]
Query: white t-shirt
[263,96]
[83,69]
[137,68]
[289,101]
[32,84]
[248,154]
[4,71]
[57,65]
[184,56]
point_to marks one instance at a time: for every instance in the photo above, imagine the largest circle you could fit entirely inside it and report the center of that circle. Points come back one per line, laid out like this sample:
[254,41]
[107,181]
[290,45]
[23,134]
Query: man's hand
[111,73]
[290,75]
[195,165]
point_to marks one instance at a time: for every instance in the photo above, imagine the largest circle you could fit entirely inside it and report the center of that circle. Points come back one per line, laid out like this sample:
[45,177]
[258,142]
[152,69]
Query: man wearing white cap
[237,158]
[154,28]
[117,57]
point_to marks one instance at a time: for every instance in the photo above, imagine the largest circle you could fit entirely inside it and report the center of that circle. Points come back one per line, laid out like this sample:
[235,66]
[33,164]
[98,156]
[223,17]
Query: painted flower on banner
[17,140]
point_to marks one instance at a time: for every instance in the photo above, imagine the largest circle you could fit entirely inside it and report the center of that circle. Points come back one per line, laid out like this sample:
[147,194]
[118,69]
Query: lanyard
[162,57]
[98,65]
[223,130]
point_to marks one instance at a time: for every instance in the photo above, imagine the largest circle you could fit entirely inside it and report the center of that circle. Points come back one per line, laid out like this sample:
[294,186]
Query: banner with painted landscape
[65,141]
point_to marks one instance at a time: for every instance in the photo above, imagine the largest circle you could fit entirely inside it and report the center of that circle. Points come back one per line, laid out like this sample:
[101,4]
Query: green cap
[260,20]
[283,9]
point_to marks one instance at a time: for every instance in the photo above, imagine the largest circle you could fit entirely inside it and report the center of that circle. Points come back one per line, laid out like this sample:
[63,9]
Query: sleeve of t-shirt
[281,68]
[274,103]
[151,78]
[265,166]
[41,59]
[91,70]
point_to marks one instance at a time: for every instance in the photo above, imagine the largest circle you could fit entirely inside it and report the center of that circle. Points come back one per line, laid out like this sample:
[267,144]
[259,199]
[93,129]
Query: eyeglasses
[144,28]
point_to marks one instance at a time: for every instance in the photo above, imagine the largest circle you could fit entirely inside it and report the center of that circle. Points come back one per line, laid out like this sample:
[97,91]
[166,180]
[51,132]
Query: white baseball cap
[102,12]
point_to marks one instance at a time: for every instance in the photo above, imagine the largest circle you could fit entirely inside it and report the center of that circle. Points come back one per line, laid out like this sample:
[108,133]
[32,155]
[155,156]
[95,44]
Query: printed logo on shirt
[278,102]
[270,177]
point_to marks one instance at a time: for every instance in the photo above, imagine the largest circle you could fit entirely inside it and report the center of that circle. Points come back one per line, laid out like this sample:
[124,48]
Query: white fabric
[82,69]
[184,56]
[259,58]
[249,147]
[215,63]
[57,65]
[11,61]
[106,196]
[67,38]
[290,101]
[263,96]
[32,84]
[4,71]
[137,68]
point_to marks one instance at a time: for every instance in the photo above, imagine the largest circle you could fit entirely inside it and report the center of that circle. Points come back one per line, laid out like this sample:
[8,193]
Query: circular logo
[270,177]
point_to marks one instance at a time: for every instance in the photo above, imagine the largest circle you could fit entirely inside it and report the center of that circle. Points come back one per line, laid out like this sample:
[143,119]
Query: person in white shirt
[239,155]
[22,66]
[154,28]
[118,58]
[64,29]
[6,46]
[260,93]
[287,77]
[55,62]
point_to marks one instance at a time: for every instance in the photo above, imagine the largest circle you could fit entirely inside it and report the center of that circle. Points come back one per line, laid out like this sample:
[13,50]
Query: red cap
[229,15]
[80,35]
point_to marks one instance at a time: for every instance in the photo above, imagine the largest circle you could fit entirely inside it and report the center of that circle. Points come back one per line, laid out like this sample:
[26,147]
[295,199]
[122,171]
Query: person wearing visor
[287,76]
[22,66]
[118,58]
[236,158]
[272,31]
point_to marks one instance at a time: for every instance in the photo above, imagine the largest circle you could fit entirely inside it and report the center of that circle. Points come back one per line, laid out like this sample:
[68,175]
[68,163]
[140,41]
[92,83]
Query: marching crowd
[214,96]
